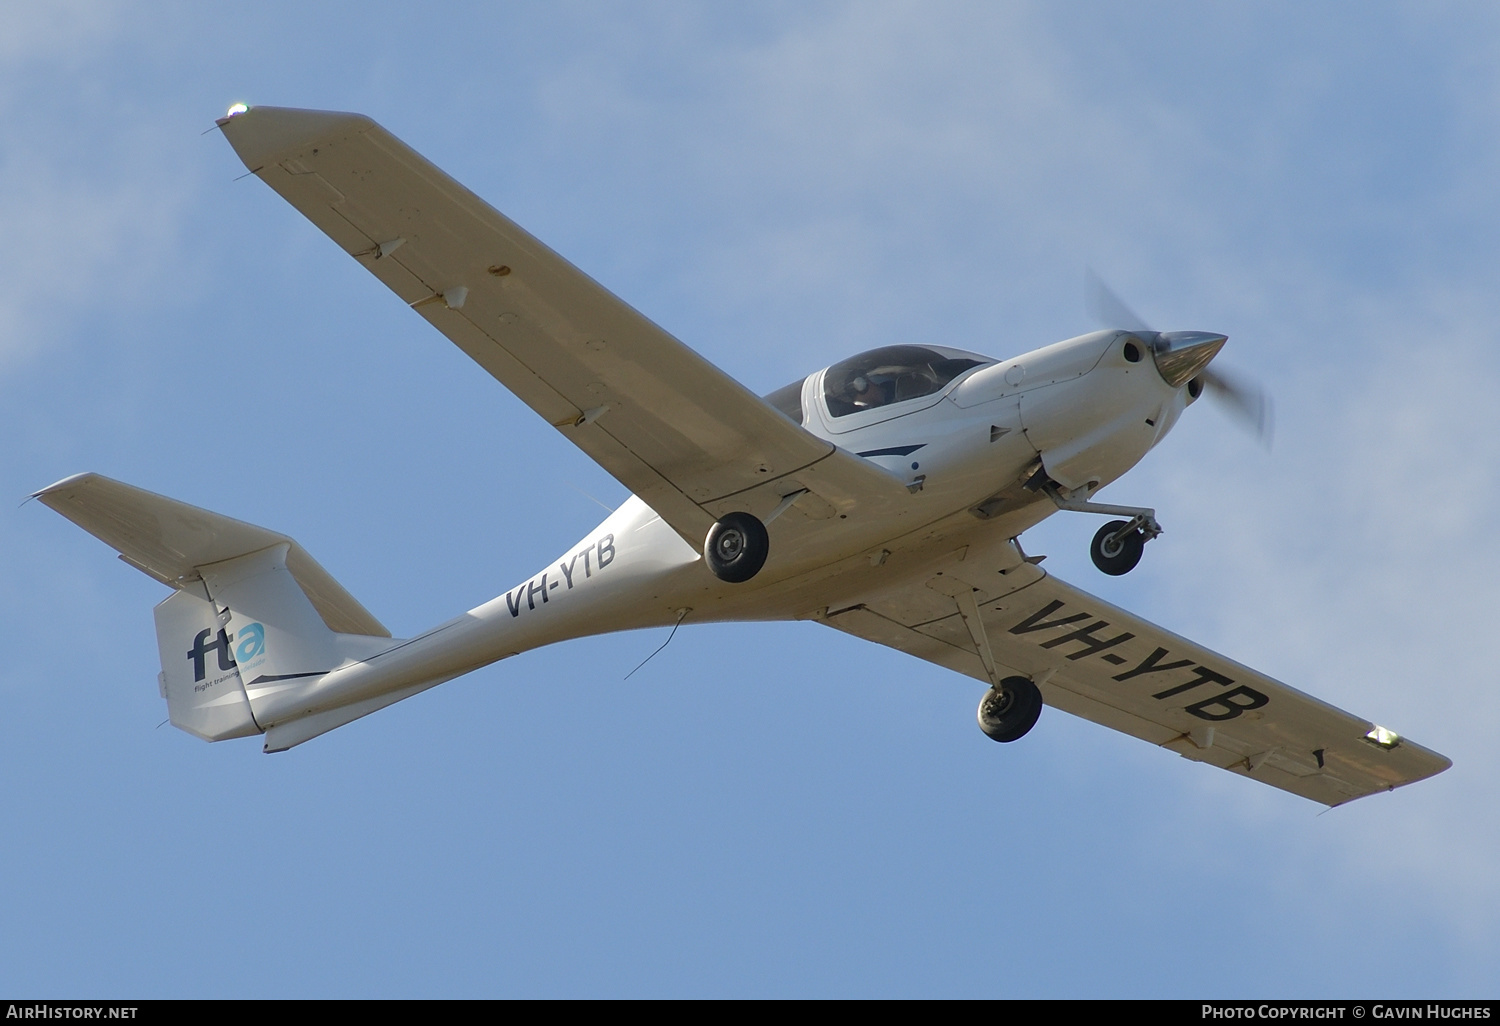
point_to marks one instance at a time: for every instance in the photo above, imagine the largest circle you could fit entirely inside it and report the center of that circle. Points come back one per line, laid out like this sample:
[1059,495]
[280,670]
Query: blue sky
[765,809]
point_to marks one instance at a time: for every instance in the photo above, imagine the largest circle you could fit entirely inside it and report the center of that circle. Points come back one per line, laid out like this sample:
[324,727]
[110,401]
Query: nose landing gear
[1117,546]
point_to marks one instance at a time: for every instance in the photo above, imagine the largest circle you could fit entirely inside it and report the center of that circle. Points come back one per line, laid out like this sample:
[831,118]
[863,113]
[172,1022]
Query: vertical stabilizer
[199,678]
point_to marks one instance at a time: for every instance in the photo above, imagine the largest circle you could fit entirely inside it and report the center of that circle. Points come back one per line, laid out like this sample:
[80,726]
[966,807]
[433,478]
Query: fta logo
[252,642]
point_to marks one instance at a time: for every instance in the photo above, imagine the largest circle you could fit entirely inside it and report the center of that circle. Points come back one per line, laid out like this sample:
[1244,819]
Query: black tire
[736,547]
[1008,711]
[1117,556]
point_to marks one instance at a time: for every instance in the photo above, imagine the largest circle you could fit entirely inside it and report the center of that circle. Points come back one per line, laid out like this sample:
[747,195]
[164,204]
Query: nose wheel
[1117,547]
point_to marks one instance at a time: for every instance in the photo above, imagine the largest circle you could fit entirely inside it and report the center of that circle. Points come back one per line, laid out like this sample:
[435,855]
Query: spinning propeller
[1181,355]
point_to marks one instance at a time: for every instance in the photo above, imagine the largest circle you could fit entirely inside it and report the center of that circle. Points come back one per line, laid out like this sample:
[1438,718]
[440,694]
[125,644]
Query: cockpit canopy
[892,374]
[881,377]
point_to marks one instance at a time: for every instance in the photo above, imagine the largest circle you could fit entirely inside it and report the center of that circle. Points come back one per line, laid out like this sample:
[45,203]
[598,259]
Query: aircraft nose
[1181,355]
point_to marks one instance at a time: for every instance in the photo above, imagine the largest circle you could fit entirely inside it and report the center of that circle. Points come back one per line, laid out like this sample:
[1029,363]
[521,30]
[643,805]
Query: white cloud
[1356,562]
[890,157]
[91,195]
[58,32]
[946,172]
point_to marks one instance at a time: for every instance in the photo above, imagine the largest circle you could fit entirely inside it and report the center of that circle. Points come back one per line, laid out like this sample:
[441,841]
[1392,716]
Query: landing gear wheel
[1008,710]
[736,547]
[1115,549]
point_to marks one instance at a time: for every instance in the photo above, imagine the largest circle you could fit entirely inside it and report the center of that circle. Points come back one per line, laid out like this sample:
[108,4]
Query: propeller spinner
[1181,356]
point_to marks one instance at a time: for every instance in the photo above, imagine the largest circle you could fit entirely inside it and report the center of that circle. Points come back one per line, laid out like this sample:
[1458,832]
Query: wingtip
[67,483]
[269,135]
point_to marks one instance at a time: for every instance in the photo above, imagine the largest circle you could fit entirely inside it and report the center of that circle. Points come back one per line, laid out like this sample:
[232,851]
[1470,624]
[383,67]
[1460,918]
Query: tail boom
[250,638]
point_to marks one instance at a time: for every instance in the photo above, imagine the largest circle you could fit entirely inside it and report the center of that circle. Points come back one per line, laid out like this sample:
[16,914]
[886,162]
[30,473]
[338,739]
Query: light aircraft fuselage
[883,496]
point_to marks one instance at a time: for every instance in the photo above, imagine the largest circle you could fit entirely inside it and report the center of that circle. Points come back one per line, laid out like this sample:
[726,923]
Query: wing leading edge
[1104,664]
[666,423]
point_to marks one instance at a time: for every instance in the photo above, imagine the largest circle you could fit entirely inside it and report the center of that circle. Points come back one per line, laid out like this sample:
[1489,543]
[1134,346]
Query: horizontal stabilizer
[170,540]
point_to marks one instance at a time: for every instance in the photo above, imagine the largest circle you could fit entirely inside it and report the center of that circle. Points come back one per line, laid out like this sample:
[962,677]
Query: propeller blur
[1246,402]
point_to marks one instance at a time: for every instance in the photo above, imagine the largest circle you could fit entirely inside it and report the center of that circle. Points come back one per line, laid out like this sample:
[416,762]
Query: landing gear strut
[1009,709]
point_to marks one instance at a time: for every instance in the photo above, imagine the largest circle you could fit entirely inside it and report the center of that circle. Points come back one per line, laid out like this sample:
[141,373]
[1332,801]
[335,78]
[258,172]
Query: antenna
[681,616]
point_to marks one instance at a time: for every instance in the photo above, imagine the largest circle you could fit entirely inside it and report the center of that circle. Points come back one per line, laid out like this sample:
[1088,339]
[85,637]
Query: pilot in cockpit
[865,394]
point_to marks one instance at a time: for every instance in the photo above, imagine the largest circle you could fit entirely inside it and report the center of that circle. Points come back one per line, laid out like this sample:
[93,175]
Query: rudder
[199,678]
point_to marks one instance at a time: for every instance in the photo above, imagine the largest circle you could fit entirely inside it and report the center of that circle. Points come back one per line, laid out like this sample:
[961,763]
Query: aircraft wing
[677,431]
[1106,665]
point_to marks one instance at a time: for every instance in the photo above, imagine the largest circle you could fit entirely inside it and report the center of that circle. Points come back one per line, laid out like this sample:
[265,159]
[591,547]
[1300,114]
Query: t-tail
[251,616]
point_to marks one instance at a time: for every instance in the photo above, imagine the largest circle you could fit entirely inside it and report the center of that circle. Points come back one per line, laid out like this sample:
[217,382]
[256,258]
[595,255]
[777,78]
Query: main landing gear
[1012,704]
[1009,709]
[736,547]
[1117,546]
[738,544]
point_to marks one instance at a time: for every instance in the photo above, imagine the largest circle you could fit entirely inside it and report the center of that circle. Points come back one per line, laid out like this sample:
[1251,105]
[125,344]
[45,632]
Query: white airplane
[882,496]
